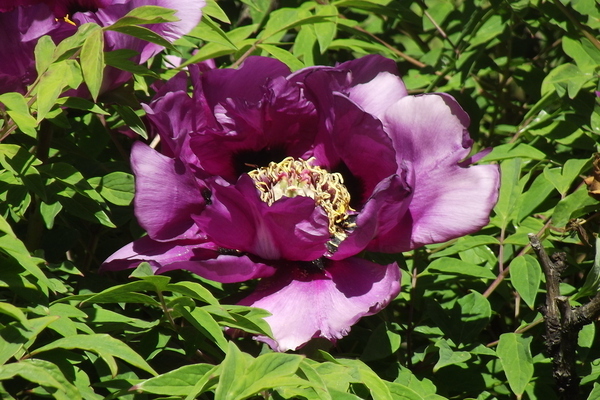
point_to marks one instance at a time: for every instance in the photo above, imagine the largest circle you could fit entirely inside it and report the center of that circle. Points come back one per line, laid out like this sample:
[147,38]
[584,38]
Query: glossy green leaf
[449,356]
[143,15]
[515,356]
[92,61]
[177,382]
[592,279]
[105,346]
[526,276]
[17,108]
[453,266]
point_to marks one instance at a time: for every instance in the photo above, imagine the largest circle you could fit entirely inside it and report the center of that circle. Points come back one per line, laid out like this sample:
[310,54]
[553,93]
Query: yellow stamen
[291,178]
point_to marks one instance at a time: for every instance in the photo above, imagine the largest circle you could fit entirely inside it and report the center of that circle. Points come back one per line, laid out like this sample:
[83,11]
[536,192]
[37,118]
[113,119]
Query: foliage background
[467,322]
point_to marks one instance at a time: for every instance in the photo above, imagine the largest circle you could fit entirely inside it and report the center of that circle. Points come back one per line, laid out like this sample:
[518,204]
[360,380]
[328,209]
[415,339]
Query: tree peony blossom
[23,22]
[288,177]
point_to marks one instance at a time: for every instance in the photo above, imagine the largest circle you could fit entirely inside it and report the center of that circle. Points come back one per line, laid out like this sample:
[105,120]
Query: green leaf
[234,366]
[538,191]
[127,293]
[513,150]
[592,280]
[269,371]
[463,244]
[16,337]
[282,55]
[31,372]
[44,53]
[517,363]
[105,346]
[326,31]
[145,15]
[12,311]
[72,179]
[566,78]
[401,392]
[454,266]
[379,389]
[582,57]
[17,108]
[526,276]
[562,178]
[573,206]
[92,61]
[144,34]
[53,83]
[382,343]
[208,31]
[448,356]
[511,188]
[284,19]
[595,393]
[206,324]
[177,382]
[193,290]
[213,10]
[23,165]
[118,188]
[48,214]
[13,247]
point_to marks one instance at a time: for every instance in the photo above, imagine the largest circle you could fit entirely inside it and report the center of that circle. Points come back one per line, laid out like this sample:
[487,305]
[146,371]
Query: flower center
[291,178]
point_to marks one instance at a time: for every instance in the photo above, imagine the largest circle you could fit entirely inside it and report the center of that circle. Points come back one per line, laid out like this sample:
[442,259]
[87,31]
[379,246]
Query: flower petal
[188,11]
[167,195]
[158,254]
[449,199]
[202,258]
[291,228]
[375,83]
[388,204]
[355,129]
[224,268]
[306,305]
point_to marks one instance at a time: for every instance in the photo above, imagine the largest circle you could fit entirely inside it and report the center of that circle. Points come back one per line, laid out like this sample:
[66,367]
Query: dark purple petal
[19,30]
[449,200]
[290,229]
[158,254]
[200,257]
[224,268]
[251,130]
[306,305]
[381,213]
[363,146]
[167,195]
[247,82]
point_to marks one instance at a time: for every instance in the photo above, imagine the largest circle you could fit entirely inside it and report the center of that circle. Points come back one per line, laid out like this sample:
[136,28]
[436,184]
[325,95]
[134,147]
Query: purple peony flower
[24,22]
[288,177]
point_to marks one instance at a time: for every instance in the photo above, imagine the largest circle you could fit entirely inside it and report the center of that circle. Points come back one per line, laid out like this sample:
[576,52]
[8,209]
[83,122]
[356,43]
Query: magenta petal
[166,195]
[375,83]
[355,129]
[158,254]
[449,199]
[323,304]
[380,215]
[428,130]
[224,268]
[291,228]
[245,83]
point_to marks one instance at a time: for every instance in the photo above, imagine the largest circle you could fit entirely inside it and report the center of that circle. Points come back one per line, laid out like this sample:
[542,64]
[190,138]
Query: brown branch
[563,322]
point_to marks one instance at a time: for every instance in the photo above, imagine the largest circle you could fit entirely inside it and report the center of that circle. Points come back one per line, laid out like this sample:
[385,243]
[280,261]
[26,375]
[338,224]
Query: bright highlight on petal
[289,177]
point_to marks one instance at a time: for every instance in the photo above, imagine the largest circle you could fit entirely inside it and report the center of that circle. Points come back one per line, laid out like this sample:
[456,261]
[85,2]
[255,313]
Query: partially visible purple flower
[288,177]
[22,26]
